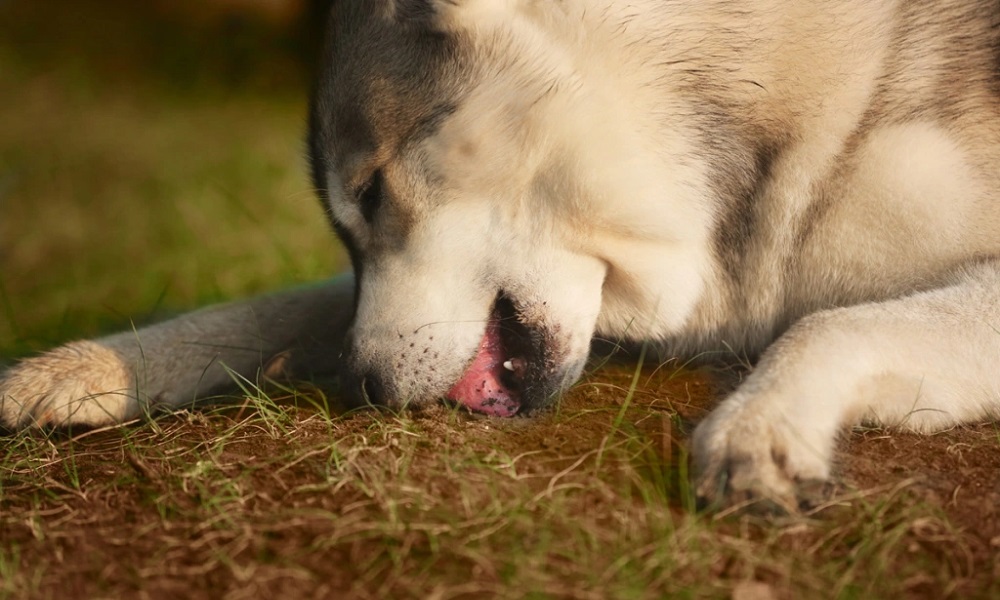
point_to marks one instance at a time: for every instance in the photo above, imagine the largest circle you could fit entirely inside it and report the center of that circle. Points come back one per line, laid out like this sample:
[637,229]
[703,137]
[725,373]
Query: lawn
[145,171]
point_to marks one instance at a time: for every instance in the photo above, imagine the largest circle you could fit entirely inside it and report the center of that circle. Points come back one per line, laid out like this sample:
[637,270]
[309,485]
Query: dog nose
[359,382]
[364,389]
[372,390]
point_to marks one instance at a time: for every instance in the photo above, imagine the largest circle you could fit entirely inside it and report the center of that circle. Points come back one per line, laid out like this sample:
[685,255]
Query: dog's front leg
[923,362]
[294,333]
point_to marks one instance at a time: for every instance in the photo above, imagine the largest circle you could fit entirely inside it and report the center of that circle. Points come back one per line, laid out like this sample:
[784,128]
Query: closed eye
[369,196]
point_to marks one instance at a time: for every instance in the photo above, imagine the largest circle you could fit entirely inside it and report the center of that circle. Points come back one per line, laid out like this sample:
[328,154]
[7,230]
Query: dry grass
[120,196]
[277,497]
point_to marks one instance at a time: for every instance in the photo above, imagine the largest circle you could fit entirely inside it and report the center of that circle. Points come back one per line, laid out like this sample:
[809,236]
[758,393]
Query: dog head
[494,213]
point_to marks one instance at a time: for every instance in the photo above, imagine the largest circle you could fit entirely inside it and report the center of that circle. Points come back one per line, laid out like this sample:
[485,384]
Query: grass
[125,194]
[428,504]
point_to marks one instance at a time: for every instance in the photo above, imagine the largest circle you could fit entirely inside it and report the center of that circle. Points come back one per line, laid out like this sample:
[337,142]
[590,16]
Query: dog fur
[812,183]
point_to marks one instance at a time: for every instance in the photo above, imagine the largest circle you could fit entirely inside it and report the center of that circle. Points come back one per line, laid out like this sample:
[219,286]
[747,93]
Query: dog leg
[296,333]
[922,362]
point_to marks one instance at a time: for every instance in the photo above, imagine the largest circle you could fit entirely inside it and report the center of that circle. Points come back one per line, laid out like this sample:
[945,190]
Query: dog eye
[370,194]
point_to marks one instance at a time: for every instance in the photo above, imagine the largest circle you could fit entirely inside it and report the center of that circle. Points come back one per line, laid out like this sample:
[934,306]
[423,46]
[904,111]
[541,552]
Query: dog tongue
[480,388]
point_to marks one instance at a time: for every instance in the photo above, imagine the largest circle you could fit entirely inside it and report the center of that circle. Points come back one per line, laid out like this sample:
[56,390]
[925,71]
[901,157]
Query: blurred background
[152,160]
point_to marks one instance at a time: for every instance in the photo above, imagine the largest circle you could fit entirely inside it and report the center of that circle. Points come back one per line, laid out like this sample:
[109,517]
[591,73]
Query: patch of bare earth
[278,499]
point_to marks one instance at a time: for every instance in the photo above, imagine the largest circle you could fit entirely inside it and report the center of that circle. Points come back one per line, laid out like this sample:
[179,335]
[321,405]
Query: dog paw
[748,456]
[81,383]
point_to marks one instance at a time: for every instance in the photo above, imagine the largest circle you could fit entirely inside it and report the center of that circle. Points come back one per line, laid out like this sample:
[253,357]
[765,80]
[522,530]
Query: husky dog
[813,183]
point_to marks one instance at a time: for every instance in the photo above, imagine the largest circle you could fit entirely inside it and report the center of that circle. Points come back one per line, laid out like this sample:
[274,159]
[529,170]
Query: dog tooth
[509,365]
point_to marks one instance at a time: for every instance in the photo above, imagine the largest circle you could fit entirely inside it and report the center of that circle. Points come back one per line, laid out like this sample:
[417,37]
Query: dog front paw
[81,383]
[747,454]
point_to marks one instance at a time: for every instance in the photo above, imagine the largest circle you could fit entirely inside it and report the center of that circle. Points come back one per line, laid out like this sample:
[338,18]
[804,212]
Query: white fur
[79,383]
[921,363]
[588,169]
[584,156]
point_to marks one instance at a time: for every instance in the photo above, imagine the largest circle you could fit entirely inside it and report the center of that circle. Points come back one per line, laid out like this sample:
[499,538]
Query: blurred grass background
[151,160]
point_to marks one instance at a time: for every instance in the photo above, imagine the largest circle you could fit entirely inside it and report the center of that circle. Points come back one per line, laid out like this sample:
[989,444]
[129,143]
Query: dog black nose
[372,390]
[365,389]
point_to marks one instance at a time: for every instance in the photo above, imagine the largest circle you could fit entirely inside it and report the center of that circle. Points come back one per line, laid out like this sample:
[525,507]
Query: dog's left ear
[453,15]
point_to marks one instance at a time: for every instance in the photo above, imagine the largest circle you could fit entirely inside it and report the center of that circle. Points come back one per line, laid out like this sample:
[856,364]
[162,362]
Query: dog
[816,184]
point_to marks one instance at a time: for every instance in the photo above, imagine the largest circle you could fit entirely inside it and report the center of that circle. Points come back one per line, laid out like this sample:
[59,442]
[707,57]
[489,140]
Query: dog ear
[453,15]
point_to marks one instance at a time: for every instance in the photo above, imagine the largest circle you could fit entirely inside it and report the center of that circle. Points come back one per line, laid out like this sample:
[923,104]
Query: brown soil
[169,511]
[956,471]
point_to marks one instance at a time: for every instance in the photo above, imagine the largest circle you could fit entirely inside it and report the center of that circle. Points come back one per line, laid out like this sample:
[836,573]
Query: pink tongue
[480,388]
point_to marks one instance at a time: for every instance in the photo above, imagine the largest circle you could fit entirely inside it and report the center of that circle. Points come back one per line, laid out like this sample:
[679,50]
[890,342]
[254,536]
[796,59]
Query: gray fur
[296,333]
[817,182]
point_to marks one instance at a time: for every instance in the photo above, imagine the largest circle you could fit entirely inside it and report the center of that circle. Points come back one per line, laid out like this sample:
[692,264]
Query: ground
[133,184]
[276,496]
